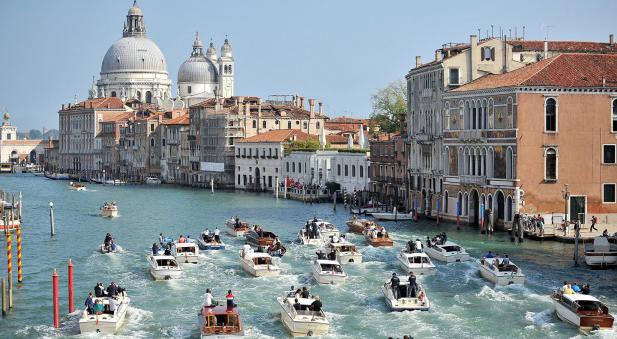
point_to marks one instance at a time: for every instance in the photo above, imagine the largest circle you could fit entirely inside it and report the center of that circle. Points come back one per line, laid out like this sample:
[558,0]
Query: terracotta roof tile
[114,116]
[563,46]
[181,120]
[280,135]
[98,103]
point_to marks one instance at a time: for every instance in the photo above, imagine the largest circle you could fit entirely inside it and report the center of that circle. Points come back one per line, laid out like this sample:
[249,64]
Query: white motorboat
[448,252]
[582,310]
[237,228]
[105,322]
[500,274]
[326,228]
[392,216]
[209,243]
[152,181]
[75,186]
[601,253]
[186,252]
[417,262]
[110,249]
[306,238]
[328,272]
[302,321]
[164,267]
[406,300]
[345,252]
[57,176]
[109,210]
[258,264]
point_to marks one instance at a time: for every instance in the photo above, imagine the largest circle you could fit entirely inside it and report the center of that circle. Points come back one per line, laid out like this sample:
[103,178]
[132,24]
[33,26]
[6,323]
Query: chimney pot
[545,49]
[418,61]
[302,102]
[438,55]
[321,108]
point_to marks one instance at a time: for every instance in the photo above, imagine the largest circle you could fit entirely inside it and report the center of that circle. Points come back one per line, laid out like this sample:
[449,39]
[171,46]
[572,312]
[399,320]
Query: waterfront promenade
[463,304]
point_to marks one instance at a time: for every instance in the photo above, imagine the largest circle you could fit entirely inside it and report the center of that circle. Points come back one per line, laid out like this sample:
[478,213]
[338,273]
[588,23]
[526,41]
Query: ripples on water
[463,304]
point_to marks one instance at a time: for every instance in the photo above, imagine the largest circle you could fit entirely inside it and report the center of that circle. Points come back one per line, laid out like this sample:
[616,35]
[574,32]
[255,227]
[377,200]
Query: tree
[389,105]
[310,143]
[35,134]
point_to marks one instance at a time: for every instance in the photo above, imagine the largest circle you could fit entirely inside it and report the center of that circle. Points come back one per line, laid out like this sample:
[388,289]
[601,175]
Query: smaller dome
[197,69]
[135,10]
[211,52]
[7,116]
[197,43]
[226,49]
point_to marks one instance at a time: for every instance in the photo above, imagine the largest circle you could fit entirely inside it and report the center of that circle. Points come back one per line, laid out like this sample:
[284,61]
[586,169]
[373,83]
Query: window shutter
[493,54]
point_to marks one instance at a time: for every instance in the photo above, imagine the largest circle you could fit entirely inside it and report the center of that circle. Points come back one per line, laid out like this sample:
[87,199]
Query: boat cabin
[262,260]
[493,265]
[330,267]
[343,248]
[417,259]
[166,262]
[220,320]
[182,248]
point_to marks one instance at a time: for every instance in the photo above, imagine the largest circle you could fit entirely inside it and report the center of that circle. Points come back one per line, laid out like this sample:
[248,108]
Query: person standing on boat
[217,234]
[297,305]
[155,248]
[181,239]
[161,239]
[305,293]
[99,290]
[89,304]
[208,298]
[246,249]
[316,305]
[418,246]
[230,299]
[113,304]
[395,282]
[413,285]
[112,289]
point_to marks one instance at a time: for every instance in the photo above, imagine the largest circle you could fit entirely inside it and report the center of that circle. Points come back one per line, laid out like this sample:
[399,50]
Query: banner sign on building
[212,166]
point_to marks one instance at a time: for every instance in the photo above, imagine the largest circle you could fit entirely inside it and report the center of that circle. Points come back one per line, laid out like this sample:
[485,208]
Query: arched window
[338,169]
[459,204]
[550,164]
[305,125]
[113,94]
[614,116]
[318,125]
[550,115]
[152,142]
[346,171]
[510,113]
[465,204]
[254,123]
[509,163]
[445,202]
[361,171]
[293,167]
[139,95]
[299,167]
[508,213]
[148,97]
[264,124]
[287,167]
[353,170]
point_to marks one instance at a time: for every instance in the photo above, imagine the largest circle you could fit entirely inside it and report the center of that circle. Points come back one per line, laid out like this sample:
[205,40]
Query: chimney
[438,55]
[259,107]
[474,56]
[301,102]
[610,39]
[418,61]
[545,49]
[321,108]
[312,108]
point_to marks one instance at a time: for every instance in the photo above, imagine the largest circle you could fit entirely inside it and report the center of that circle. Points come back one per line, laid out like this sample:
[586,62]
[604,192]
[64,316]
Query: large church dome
[134,54]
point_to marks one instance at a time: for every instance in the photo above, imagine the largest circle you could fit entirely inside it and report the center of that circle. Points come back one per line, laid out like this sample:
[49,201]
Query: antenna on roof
[492,35]
[510,30]
[515,32]
[479,36]
[523,32]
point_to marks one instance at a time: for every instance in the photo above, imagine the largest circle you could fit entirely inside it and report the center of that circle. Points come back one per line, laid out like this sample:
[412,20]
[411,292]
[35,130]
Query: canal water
[463,304]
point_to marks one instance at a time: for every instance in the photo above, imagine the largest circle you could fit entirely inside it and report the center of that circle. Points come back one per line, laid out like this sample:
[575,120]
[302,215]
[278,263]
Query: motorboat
[499,273]
[417,262]
[258,264]
[152,181]
[106,322]
[302,321]
[109,210]
[164,267]
[448,252]
[328,272]
[344,252]
[259,238]
[75,186]
[406,299]
[377,236]
[236,227]
[110,249]
[186,252]
[220,321]
[367,209]
[582,310]
[392,216]
[326,228]
[306,238]
[601,253]
[358,226]
[209,243]
[57,176]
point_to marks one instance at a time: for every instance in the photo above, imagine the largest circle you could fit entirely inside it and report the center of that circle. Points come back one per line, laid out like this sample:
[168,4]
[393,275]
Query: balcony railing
[473,180]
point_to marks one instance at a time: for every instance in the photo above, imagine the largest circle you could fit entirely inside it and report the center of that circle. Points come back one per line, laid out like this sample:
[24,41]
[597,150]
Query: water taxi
[75,186]
[359,225]
[302,320]
[499,273]
[164,267]
[109,210]
[377,236]
[152,181]
[258,264]
[447,252]
[259,238]
[209,243]
[317,231]
[185,252]
[406,299]
[344,252]
[392,216]
[417,262]
[57,176]
[236,227]
[306,238]
[328,272]
[106,322]
[601,253]
[220,321]
[110,249]
[582,310]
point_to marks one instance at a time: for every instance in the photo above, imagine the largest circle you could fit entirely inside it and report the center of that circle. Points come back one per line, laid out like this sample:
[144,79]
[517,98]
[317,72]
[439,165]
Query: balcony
[471,135]
[473,180]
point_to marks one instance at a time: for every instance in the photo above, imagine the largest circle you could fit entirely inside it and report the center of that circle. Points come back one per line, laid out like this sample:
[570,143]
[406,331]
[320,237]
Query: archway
[14,157]
[474,216]
[148,97]
[500,207]
[257,177]
[33,157]
[423,206]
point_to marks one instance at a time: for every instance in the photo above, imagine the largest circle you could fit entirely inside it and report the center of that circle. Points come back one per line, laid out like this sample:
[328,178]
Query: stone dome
[197,69]
[226,49]
[134,54]
[135,10]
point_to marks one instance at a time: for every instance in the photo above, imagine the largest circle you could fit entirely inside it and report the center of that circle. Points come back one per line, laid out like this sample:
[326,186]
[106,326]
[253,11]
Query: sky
[338,52]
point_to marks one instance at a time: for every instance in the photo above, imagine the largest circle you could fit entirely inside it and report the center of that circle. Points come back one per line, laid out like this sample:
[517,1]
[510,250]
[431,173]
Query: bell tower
[226,70]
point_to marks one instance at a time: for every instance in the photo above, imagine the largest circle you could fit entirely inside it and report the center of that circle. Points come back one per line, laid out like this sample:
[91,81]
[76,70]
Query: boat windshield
[166,262]
[451,248]
[590,307]
[418,260]
[262,261]
[185,249]
[331,268]
[216,323]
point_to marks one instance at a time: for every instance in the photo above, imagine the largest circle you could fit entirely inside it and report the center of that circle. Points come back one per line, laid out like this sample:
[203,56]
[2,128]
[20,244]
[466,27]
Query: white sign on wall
[212,166]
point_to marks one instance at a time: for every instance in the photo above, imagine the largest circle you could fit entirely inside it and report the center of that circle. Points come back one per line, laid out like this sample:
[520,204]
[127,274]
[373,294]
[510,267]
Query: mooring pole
[51,218]
[20,275]
[3,298]
[70,271]
[9,265]
[56,310]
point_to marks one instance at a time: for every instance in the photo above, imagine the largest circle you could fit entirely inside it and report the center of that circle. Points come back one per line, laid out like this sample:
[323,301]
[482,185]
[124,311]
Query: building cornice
[530,89]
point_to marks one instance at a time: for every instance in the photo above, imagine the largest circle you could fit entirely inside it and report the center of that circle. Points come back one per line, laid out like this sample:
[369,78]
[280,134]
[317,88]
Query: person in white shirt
[216,235]
[246,249]
[208,298]
[335,239]
[418,245]
[113,304]
[207,232]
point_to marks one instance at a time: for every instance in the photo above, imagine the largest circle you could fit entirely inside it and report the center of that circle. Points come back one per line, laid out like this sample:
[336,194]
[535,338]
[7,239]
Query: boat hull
[448,257]
[584,323]
[104,323]
[259,270]
[417,269]
[187,259]
[380,242]
[210,246]
[349,258]
[165,274]
[600,259]
[329,278]
[109,213]
[392,217]
[501,279]
[404,304]
[303,325]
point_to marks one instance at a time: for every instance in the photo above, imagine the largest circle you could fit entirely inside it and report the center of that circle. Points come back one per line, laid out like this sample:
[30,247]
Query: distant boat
[237,228]
[186,252]
[220,321]
[392,216]
[345,252]
[164,267]
[152,181]
[448,252]
[304,321]
[328,272]
[417,262]
[109,210]
[258,264]
[405,302]
[500,274]
[601,253]
[57,176]
[75,186]
[377,236]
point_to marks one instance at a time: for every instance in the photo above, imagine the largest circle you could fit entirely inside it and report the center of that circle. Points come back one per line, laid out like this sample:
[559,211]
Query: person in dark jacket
[99,290]
[395,282]
[89,304]
[112,289]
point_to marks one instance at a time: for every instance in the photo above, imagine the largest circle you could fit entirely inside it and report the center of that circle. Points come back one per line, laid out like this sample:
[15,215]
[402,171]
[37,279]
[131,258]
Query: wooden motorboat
[345,252]
[152,181]
[377,236]
[407,300]
[583,311]
[237,228]
[106,322]
[448,252]
[164,267]
[258,264]
[500,274]
[260,238]
[75,186]
[109,210]
[417,262]
[324,231]
[328,272]
[359,225]
[302,321]
[220,322]
[185,252]
[601,253]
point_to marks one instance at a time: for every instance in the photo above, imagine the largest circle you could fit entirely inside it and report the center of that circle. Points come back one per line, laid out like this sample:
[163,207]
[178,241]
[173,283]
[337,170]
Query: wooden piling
[3,298]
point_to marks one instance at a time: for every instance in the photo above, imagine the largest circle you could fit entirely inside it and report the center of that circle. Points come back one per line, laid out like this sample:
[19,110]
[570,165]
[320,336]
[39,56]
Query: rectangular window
[608,193]
[189,89]
[454,76]
[608,154]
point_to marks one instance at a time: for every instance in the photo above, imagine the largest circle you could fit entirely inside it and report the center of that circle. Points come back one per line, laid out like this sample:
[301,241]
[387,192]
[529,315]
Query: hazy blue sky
[339,52]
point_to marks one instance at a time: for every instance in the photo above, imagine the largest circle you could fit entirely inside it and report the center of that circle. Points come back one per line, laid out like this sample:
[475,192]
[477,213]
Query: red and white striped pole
[20,274]
[56,309]
[71,305]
